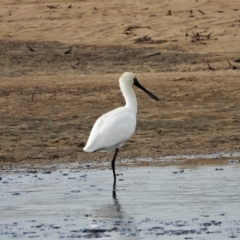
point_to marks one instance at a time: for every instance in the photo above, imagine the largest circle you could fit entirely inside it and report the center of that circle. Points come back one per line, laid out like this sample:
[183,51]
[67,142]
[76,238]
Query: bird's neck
[130,98]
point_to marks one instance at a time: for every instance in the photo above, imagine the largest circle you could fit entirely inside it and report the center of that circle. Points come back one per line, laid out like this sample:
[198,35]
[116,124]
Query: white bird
[112,129]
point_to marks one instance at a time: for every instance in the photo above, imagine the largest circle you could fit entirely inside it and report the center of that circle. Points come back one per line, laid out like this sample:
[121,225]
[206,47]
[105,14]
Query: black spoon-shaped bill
[136,83]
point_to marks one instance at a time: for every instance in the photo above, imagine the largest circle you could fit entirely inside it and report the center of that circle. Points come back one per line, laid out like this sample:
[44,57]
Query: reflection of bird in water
[111,210]
[112,129]
[115,200]
[111,220]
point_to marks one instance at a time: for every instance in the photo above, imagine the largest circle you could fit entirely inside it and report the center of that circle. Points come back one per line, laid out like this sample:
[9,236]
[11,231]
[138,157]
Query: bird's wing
[111,129]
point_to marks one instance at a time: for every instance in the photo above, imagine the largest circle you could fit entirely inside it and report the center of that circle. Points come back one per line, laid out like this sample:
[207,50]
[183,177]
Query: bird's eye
[135,80]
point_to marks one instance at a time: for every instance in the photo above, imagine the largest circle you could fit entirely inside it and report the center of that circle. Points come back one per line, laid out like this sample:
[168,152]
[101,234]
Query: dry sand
[185,52]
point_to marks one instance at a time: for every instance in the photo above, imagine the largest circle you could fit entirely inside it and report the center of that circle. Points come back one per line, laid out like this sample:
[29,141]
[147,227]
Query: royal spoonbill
[112,129]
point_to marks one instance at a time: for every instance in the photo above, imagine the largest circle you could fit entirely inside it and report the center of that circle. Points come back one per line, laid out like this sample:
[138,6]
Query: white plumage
[112,129]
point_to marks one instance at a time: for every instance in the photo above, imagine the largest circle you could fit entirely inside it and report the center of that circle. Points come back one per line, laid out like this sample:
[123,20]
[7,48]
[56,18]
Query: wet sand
[154,202]
[193,116]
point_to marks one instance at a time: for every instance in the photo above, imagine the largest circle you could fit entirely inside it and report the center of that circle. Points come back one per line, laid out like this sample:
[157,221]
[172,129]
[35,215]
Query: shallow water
[167,202]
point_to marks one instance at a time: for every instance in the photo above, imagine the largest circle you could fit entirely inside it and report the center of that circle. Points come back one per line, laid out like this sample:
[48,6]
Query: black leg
[113,166]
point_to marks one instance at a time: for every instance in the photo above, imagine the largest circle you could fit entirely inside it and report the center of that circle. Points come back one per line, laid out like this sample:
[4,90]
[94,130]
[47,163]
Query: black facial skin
[136,83]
